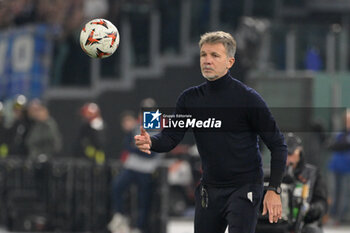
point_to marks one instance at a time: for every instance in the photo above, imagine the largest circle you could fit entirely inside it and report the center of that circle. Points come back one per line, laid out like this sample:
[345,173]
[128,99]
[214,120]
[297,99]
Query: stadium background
[295,53]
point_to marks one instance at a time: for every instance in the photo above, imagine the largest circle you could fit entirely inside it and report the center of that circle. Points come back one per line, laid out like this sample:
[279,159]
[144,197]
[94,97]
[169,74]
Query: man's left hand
[272,205]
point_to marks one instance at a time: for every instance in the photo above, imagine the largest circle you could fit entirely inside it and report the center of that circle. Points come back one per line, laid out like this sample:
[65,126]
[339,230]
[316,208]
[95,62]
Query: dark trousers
[143,182]
[237,208]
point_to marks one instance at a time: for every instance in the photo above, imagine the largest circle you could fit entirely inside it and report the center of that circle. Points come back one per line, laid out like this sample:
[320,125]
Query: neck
[219,82]
[215,78]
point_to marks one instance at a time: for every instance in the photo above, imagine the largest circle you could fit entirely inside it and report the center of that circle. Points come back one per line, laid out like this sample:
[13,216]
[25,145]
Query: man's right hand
[143,141]
[273,206]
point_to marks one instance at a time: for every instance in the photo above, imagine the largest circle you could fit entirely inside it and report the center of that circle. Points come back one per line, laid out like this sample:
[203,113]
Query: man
[138,169]
[91,138]
[44,137]
[44,142]
[232,183]
[305,173]
[339,165]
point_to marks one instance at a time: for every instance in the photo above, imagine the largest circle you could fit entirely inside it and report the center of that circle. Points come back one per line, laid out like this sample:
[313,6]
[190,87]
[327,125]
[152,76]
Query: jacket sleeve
[168,138]
[266,127]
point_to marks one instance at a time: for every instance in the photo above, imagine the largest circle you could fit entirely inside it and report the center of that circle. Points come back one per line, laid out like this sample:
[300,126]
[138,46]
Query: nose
[207,60]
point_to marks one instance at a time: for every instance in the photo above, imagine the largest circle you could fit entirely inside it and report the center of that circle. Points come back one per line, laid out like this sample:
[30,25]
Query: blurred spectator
[43,142]
[91,136]
[20,127]
[128,123]
[4,143]
[138,169]
[298,170]
[44,139]
[340,166]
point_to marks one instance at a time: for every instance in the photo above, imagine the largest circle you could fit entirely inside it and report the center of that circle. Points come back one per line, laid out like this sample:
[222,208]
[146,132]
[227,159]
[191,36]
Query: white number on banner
[3,50]
[23,53]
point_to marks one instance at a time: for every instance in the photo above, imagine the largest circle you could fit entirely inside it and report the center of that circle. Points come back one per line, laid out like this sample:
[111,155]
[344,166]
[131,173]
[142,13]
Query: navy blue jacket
[230,155]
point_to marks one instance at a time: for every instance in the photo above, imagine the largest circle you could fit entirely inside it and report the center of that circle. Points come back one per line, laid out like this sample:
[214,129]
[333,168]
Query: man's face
[293,159]
[214,61]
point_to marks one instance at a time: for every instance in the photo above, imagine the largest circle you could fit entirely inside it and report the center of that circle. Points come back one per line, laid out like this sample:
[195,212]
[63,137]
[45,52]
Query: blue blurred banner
[25,57]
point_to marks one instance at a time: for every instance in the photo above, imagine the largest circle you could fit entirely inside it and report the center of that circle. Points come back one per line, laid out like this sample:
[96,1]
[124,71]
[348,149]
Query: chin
[209,77]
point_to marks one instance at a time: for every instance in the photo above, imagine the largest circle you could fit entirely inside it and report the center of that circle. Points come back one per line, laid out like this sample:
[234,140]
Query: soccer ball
[99,38]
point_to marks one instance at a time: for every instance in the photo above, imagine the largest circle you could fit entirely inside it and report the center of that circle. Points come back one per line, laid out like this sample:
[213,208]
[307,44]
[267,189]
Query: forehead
[213,47]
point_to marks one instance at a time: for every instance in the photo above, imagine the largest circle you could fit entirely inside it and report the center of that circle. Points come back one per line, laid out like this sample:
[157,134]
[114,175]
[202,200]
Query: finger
[143,131]
[139,138]
[264,209]
[144,147]
[141,141]
[277,213]
[275,219]
[146,151]
[276,209]
[271,214]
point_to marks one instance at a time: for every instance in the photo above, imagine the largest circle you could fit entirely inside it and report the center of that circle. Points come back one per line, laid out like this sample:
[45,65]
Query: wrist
[277,190]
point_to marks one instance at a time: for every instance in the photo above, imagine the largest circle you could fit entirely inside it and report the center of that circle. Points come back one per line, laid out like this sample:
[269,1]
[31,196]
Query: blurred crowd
[20,12]
[30,132]
[69,14]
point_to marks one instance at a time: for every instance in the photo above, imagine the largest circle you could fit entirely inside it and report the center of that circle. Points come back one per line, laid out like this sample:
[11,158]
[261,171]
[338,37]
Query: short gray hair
[220,37]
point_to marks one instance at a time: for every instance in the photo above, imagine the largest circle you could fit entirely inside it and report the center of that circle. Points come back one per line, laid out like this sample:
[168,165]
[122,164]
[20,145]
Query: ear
[231,61]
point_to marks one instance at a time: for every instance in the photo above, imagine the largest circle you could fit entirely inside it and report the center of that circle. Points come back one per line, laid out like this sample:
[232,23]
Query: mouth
[207,69]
